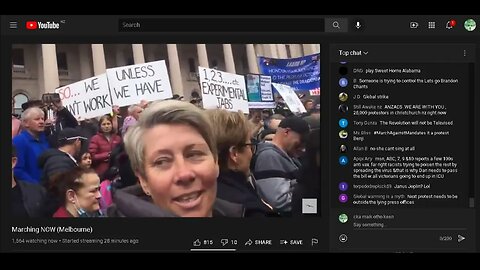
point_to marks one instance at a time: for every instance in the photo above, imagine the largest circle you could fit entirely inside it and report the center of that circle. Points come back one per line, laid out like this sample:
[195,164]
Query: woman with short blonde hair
[174,155]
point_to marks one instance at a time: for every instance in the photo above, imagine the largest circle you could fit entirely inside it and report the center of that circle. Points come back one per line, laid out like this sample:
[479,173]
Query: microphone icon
[358,25]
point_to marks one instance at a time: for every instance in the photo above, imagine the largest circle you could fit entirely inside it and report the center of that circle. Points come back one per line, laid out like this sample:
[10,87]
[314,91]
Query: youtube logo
[31,25]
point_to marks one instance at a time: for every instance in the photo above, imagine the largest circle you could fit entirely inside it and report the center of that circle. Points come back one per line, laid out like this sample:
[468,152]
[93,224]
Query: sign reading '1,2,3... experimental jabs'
[88,98]
[223,90]
[132,84]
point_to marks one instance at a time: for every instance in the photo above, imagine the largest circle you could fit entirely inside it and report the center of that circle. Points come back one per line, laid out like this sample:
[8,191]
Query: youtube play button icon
[31,25]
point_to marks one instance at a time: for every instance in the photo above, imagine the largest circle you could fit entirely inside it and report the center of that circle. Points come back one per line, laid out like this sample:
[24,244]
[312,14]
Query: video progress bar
[213,249]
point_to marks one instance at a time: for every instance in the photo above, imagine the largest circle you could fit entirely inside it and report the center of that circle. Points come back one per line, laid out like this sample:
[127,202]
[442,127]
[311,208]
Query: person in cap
[275,167]
[56,161]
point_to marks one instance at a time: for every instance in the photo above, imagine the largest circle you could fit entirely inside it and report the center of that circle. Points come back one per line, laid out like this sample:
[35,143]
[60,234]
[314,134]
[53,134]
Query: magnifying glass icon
[335,24]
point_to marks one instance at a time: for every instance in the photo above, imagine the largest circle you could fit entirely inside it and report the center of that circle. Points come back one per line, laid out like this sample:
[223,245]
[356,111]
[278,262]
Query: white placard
[88,98]
[132,84]
[223,90]
[290,97]
[266,88]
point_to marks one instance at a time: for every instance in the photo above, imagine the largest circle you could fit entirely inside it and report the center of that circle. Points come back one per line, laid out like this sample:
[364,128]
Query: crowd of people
[166,158]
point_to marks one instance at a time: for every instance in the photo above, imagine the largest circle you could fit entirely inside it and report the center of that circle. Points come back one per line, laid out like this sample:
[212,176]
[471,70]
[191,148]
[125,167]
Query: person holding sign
[62,117]
[177,171]
[102,144]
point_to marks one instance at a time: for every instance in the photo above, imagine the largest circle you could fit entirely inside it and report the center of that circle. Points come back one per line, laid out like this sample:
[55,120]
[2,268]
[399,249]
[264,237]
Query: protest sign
[260,93]
[223,90]
[301,73]
[88,98]
[131,84]
[290,97]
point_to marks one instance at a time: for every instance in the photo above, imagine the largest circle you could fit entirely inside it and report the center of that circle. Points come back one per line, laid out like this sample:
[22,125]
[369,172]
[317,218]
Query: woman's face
[88,197]
[244,156]
[106,126]
[86,160]
[181,172]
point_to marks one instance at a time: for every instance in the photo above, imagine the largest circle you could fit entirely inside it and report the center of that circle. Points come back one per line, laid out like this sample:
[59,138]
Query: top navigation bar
[326,24]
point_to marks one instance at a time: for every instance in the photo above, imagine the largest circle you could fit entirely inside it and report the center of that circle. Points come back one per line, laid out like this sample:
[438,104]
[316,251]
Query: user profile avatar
[343,148]
[343,71]
[343,218]
[343,108]
[343,97]
[343,134]
[343,123]
[470,25]
[343,82]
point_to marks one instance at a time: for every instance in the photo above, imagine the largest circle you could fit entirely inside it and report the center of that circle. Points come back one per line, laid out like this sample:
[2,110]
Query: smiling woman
[178,169]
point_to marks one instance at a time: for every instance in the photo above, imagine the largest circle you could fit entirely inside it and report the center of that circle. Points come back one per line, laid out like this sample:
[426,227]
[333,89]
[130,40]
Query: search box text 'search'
[256,24]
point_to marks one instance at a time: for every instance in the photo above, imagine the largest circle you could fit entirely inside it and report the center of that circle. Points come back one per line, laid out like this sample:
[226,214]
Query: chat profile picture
[343,134]
[343,97]
[343,123]
[343,82]
[343,198]
[343,148]
[470,25]
[343,108]
[343,186]
[343,71]
[343,218]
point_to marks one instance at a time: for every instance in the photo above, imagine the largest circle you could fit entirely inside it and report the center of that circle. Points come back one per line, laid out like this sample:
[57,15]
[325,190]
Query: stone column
[174,68]
[99,64]
[282,51]
[50,68]
[138,56]
[85,64]
[228,54]
[252,59]
[270,50]
[296,50]
[202,55]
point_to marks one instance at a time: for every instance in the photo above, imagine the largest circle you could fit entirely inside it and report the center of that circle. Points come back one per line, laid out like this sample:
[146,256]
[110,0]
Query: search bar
[336,25]
[224,24]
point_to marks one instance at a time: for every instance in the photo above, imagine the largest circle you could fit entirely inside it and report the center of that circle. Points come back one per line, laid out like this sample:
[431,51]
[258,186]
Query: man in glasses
[275,167]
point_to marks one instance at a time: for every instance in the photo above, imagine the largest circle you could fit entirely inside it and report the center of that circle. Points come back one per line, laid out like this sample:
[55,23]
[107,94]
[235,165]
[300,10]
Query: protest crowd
[166,157]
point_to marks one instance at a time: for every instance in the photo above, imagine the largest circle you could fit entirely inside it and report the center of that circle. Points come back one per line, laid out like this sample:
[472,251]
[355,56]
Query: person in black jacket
[53,162]
[56,161]
[63,119]
[27,199]
[231,131]
[308,185]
